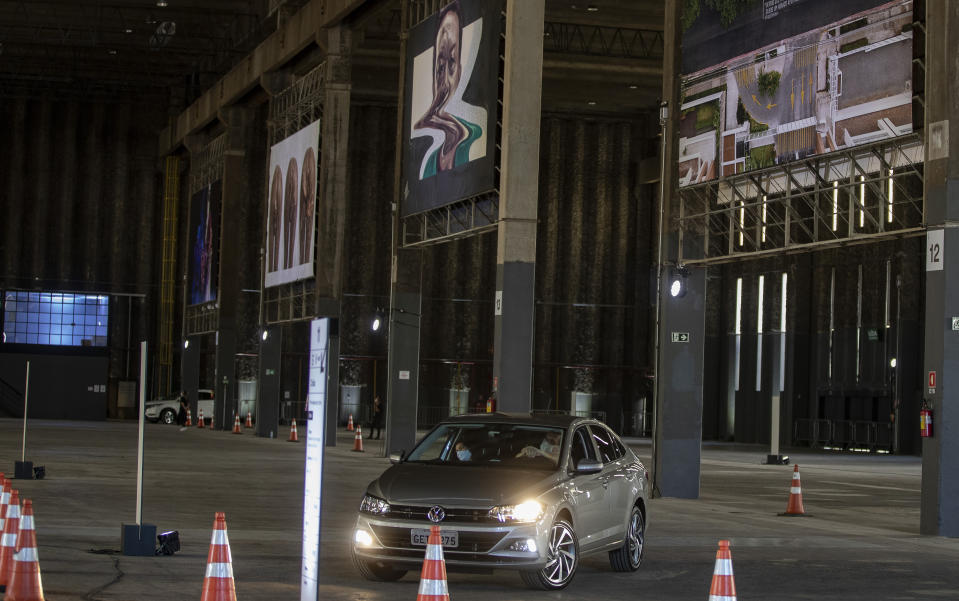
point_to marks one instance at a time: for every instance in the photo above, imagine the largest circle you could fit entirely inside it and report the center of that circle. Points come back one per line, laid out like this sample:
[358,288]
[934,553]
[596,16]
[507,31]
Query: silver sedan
[528,493]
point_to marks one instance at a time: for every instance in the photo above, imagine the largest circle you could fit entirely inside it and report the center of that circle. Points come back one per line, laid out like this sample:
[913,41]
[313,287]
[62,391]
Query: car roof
[555,420]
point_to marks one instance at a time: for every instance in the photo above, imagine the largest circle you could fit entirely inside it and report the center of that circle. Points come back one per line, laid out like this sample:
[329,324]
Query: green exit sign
[680,336]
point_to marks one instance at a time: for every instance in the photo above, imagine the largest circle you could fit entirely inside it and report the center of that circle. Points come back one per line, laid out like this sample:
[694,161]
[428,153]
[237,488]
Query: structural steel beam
[291,38]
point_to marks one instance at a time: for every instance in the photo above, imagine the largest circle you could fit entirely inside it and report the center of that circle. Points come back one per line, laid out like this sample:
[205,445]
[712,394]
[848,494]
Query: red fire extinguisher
[925,421]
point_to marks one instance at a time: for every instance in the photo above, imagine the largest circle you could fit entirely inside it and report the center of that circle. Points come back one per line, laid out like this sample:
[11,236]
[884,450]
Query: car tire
[628,557]
[373,570]
[562,559]
[168,416]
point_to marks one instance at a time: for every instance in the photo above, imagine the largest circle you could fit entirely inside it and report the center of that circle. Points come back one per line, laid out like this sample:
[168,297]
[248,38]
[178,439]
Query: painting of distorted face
[291,207]
[307,206]
[451,89]
[289,213]
[273,227]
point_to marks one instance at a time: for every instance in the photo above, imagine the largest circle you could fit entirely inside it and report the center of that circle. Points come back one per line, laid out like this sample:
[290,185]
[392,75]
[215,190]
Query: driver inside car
[549,448]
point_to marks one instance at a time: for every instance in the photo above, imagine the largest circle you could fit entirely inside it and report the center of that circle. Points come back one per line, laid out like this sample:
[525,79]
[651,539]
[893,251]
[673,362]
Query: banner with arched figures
[291,207]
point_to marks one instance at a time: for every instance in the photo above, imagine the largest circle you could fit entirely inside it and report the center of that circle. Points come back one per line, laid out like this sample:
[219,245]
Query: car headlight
[527,511]
[374,505]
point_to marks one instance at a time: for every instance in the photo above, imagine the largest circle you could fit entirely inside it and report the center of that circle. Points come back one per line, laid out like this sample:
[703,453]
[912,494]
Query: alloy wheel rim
[636,537]
[562,555]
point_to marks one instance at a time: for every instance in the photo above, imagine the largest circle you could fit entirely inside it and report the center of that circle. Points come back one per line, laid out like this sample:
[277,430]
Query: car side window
[580,447]
[604,441]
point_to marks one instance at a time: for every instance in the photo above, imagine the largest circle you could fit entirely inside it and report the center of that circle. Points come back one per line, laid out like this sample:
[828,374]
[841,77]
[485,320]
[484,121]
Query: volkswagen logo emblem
[436,513]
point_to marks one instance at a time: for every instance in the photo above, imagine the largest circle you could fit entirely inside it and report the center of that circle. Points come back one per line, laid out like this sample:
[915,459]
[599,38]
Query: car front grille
[470,541]
[460,516]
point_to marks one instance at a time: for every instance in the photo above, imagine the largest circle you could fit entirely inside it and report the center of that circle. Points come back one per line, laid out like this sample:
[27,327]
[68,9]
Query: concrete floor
[861,542]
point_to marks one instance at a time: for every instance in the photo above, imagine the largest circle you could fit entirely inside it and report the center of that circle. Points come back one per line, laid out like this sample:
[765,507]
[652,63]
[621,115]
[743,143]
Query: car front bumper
[481,546]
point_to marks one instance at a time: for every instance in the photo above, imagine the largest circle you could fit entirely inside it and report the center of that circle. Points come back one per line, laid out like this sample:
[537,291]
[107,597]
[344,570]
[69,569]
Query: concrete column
[403,344]
[514,307]
[234,213]
[190,371]
[268,383]
[939,507]
[679,381]
[332,201]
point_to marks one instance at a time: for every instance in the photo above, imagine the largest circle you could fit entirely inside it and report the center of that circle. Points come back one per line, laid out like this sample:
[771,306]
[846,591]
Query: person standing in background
[376,417]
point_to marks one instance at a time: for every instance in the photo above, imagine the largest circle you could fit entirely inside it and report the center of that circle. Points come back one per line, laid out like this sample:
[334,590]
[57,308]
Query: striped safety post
[433,576]
[25,584]
[218,584]
[723,587]
[8,541]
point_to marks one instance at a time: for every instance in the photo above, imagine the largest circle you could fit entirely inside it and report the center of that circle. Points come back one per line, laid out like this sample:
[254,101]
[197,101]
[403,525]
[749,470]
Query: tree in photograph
[768,82]
[741,115]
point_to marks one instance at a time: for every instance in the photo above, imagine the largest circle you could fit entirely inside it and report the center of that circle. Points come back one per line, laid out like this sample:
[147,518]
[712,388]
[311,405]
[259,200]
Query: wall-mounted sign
[680,336]
[404,375]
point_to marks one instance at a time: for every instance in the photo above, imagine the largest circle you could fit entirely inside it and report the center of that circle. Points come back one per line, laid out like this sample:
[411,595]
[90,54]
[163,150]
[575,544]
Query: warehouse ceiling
[601,56]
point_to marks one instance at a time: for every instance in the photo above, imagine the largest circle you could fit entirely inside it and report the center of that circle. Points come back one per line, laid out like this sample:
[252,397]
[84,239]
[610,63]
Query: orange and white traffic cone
[795,507]
[236,424]
[189,418]
[218,584]
[199,421]
[249,420]
[358,440]
[24,584]
[8,541]
[4,499]
[293,437]
[433,577]
[349,424]
[723,587]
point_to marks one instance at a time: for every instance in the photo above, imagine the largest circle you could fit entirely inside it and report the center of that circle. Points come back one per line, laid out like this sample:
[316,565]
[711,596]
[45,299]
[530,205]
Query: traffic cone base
[433,576]
[358,440]
[723,586]
[25,584]
[795,507]
[293,437]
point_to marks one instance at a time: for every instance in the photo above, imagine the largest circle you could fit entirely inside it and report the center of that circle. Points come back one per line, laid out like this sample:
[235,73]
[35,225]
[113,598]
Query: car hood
[427,484]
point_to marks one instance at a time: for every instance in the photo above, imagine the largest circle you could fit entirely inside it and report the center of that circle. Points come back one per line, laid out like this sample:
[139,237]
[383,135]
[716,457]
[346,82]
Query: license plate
[419,537]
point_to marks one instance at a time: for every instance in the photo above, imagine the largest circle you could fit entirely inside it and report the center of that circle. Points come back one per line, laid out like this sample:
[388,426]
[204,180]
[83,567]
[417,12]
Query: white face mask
[463,455]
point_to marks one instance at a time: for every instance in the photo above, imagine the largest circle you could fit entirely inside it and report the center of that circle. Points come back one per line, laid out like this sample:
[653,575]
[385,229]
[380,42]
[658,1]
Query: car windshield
[492,445]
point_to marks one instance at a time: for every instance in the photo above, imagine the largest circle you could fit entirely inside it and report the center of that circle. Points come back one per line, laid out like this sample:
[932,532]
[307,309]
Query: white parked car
[165,410]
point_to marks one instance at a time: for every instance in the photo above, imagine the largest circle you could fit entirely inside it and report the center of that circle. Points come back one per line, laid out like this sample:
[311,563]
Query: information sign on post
[313,477]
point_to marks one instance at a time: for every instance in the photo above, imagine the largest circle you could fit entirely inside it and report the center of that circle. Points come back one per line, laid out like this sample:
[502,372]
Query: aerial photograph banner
[766,82]
[291,209]
[451,94]
[205,243]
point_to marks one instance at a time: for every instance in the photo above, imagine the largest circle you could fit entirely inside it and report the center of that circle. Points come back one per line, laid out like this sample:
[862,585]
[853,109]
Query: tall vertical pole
[143,393]
[26,400]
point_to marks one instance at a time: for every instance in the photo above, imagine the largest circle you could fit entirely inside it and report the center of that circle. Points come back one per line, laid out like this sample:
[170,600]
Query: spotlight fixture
[378,319]
[162,3]
[677,286]
[266,334]
[592,8]
[169,542]
[186,344]
[892,363]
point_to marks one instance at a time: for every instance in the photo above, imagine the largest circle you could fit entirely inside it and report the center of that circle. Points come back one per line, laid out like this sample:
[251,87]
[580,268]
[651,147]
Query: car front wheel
[628,557]
[562,557]
[372,570]
[168,416]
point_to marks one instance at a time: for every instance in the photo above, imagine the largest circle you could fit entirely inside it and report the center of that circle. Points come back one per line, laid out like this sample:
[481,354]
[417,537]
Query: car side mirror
[397,456]
[589,466]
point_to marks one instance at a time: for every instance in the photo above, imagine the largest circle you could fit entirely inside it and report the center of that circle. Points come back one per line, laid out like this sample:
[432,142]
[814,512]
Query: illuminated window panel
[55,318]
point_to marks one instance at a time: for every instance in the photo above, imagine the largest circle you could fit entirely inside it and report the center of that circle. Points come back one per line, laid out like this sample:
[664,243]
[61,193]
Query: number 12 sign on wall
[934,250]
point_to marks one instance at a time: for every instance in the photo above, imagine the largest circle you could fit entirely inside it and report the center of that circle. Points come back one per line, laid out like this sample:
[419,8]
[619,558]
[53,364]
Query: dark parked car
[522,492]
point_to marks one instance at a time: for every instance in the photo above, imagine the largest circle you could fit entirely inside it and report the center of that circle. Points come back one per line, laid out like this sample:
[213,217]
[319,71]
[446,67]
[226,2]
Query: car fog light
[363,538]
[524,546]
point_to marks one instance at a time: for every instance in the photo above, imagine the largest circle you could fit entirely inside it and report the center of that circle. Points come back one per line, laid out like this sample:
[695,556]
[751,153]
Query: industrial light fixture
[162,3]
[592,8]
[591,102]
[378,319]
[677,285]
[892,363]
[186,344]
[266,334]
[169,543]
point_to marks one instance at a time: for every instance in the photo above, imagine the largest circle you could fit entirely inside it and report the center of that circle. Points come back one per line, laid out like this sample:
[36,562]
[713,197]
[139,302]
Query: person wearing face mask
[549,448]
[458,133]
[462,452]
